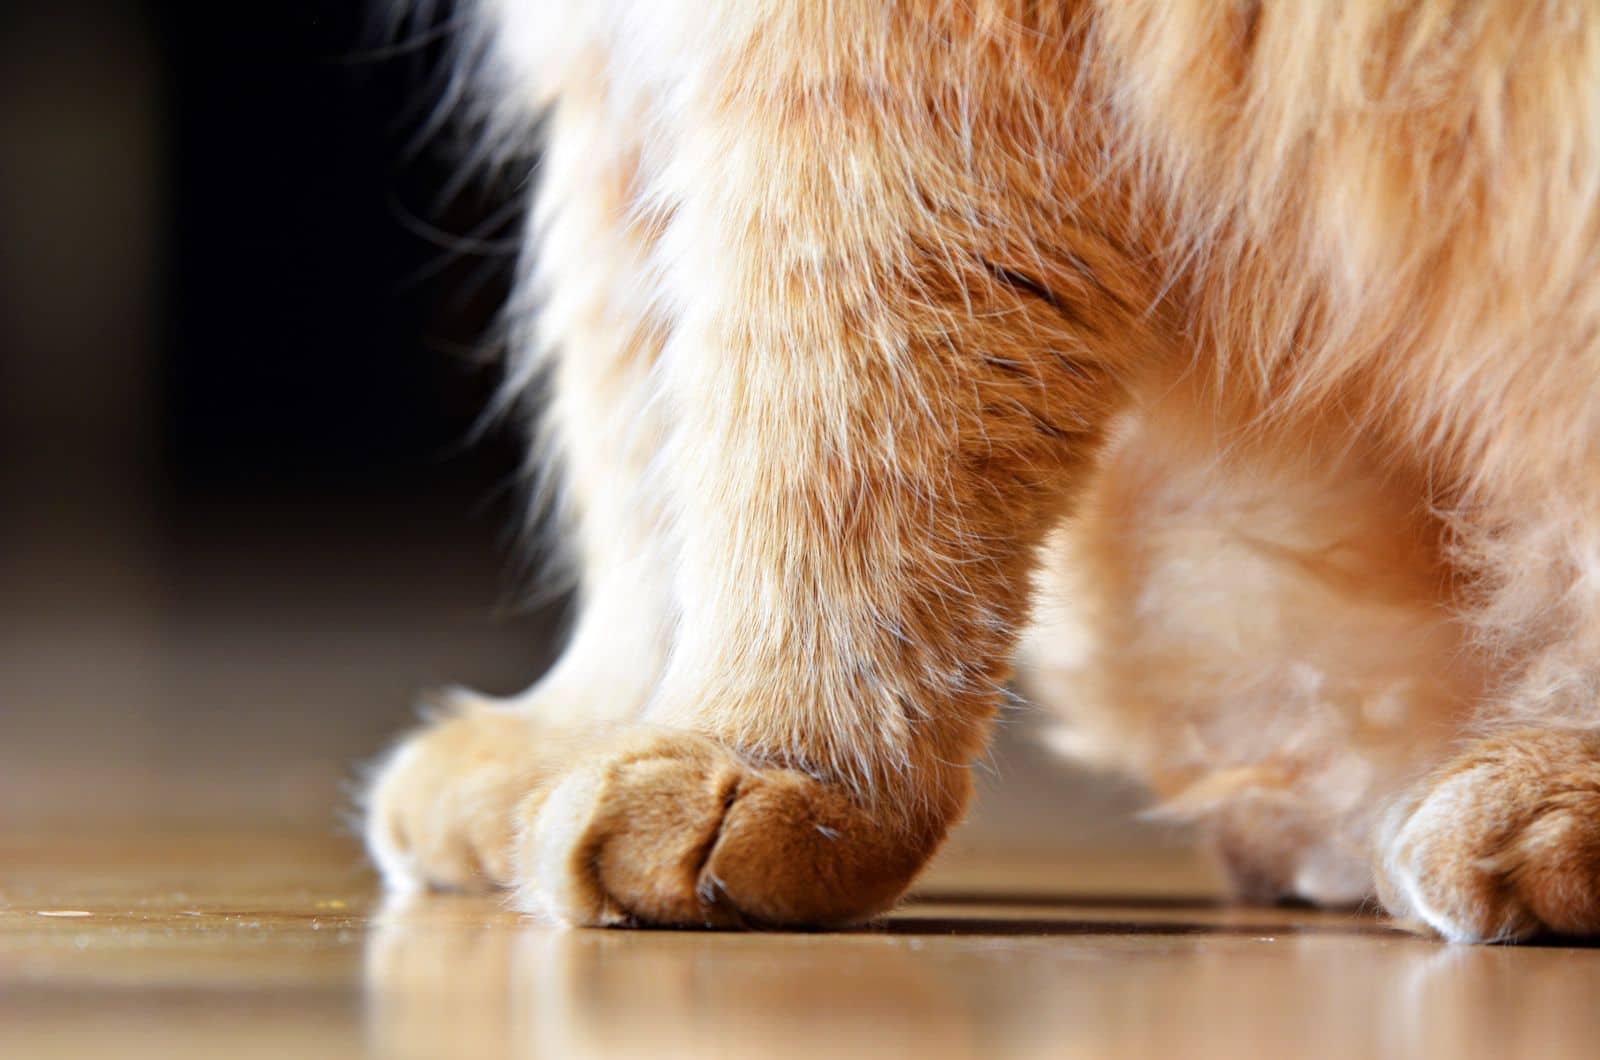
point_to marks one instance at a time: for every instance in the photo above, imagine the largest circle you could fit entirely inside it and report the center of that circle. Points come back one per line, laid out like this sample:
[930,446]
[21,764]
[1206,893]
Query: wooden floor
[174,883]
[277,946]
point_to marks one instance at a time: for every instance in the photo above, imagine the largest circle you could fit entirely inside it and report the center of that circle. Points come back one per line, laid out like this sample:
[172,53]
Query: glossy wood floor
[173,883]
[277,946]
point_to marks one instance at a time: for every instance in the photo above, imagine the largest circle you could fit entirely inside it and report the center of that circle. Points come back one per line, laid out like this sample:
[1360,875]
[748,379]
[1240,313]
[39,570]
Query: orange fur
[841,305]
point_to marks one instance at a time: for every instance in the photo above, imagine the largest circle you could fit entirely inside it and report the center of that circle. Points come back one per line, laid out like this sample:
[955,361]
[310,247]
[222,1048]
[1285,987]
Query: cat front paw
[440,808]
[673,828]
[1503,843]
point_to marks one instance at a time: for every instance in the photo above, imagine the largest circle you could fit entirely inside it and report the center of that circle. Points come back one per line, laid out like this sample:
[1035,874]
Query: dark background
[313,238]
[255,205]
[247,517]
[229,265]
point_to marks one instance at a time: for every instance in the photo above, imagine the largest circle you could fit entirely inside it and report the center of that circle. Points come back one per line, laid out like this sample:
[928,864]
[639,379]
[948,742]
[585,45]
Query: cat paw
[440,810]
[1503,843]
[672,828]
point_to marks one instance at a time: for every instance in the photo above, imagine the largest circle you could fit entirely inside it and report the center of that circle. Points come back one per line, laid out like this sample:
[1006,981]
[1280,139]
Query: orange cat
[1253,344]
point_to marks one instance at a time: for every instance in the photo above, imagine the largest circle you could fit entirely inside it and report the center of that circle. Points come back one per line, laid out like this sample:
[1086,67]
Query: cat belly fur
[1261,632]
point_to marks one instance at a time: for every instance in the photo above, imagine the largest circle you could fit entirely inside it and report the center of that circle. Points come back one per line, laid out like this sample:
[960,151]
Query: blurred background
[241,358]
[245,311]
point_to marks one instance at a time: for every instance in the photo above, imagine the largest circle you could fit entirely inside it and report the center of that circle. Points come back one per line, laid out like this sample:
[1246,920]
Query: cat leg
[439,810]
[876,421]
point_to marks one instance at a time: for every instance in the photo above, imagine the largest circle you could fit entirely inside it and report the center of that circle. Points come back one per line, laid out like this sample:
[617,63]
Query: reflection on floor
[273,947]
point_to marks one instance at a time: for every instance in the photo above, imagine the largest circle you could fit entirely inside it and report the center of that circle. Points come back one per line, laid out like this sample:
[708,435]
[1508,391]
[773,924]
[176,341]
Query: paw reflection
[456,975]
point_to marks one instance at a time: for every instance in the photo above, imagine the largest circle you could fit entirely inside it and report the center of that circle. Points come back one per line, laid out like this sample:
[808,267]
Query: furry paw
[1503,843]
[440,812]
[673,828]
